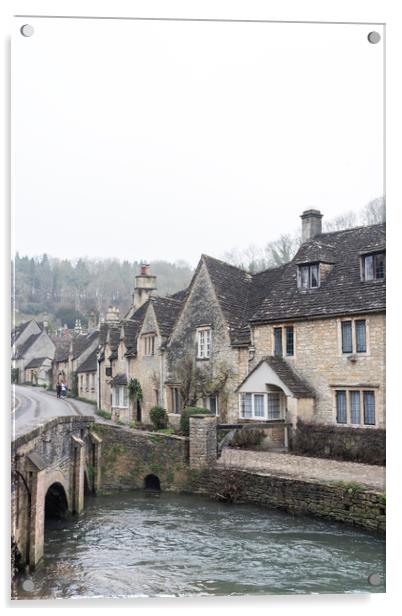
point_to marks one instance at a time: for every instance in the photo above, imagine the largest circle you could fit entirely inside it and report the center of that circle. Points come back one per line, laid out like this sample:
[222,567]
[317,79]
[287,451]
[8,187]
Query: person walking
[58,390]
[63,390]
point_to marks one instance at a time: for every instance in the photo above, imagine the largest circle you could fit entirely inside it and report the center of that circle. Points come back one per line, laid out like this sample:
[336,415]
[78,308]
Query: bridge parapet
[61,453]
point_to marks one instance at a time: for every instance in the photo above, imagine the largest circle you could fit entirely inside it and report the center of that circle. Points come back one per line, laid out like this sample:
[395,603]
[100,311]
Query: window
[341,416]
[176,401]
[347,343]
[357,326]
[149,345]
[278,341]
[374,266]
[289,340]
[369,408]
[211,403]
[360,328]
[349,405]
[260,406]
[246,406]
[204,343]
[120,396]
[309,276]
[274,406]
[108,371]
[354,407]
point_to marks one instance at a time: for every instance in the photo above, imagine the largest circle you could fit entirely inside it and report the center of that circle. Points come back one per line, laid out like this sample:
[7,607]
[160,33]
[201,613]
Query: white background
[384,11]
[169,139]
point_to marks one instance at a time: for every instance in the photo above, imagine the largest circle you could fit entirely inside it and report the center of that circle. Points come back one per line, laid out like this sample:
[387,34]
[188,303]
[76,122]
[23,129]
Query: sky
[165,140]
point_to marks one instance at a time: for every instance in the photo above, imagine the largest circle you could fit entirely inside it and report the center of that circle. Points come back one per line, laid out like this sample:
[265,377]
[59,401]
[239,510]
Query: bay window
[263,406]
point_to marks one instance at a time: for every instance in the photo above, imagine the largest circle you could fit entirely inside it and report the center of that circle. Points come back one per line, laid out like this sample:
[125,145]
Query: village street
[33,406]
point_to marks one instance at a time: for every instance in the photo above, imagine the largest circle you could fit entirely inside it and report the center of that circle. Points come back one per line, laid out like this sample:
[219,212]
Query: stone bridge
[52,467]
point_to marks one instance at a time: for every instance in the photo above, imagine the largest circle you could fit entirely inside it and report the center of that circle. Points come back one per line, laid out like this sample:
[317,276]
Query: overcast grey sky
[164,140]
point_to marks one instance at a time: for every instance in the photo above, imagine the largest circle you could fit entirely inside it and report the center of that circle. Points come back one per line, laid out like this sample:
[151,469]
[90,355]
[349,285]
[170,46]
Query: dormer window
[373,266]
[309,276]
[204,339]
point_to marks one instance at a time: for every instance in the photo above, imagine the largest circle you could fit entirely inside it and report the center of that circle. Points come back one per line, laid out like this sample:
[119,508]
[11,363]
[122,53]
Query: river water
[140,544]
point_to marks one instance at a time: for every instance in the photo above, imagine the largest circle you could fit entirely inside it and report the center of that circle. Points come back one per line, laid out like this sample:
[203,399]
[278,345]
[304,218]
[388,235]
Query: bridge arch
[56,505]
[152,483]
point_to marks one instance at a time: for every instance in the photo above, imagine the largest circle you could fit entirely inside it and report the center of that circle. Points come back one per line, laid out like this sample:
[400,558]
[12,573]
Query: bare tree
[374,212]
[343,221]
[282,250]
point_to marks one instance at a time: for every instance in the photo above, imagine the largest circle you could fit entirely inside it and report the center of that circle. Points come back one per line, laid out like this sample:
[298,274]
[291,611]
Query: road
[33,406]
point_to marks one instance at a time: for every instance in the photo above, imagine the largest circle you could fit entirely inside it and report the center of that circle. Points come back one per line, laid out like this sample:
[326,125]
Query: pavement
[32,406]
[304,468]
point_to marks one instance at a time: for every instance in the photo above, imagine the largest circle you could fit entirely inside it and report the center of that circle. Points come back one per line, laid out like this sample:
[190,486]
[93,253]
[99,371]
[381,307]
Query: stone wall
[128,456]
[318,359]
[344,502]
[339,443]
[148,368]
[203,441]
[202,309]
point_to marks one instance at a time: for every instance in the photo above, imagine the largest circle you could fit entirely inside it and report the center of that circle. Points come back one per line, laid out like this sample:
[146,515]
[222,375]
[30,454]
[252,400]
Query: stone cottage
[318,337]
[132,349]
[30,341]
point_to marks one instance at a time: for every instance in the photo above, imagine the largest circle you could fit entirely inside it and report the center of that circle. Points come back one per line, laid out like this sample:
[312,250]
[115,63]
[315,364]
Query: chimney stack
[92,321]
[145,284]
[311,224]
[113,314]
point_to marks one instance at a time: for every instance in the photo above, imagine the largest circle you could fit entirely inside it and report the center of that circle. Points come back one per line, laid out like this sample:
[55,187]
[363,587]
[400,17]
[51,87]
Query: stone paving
[303,467]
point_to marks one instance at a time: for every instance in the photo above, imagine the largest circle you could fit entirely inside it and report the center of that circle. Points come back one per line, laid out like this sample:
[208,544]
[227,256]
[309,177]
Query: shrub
[133,425]
[104,414]
[158,417]
[185,417]
[247,438]
[167,431]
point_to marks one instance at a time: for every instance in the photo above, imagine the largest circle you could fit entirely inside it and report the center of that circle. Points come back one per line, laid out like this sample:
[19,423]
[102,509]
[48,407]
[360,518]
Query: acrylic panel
[198,301]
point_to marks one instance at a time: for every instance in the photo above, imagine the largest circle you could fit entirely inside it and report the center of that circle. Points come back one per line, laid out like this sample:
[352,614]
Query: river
[139,544]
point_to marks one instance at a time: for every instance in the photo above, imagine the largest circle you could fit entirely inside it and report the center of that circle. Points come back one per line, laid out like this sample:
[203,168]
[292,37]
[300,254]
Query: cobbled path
[302,467]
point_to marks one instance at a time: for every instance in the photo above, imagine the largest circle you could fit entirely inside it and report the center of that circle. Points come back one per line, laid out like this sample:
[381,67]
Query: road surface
[33,406]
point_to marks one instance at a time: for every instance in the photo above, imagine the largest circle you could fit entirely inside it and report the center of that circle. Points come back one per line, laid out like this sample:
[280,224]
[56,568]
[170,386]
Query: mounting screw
[374,37]
[26,30]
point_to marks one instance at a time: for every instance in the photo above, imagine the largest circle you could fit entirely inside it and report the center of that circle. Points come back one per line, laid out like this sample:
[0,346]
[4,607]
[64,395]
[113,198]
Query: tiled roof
[22,349]
[119,379]
[36,362]
[17,331]
[62,349]
[341,291]
[166,312]
[81,342]
[297,386]
[232,286]
[90,364]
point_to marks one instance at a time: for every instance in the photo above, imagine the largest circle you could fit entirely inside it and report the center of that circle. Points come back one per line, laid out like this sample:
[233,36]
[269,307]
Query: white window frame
[207,403]
[120,397]
[204,342]
[149,345]
[266,395]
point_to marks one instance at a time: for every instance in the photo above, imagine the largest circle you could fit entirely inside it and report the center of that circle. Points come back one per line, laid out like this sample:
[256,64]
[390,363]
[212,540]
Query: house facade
[324,320]
[31,343]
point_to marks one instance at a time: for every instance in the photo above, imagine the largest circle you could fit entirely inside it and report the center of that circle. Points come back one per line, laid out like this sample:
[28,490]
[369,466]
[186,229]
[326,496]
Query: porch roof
[275,371]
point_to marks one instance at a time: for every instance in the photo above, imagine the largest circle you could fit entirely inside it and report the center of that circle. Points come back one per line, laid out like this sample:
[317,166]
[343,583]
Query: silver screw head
[374,579]
[27,30]
[374,37]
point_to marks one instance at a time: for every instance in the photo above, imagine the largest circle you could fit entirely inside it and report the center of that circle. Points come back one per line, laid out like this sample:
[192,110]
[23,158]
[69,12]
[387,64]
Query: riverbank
[129,456]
